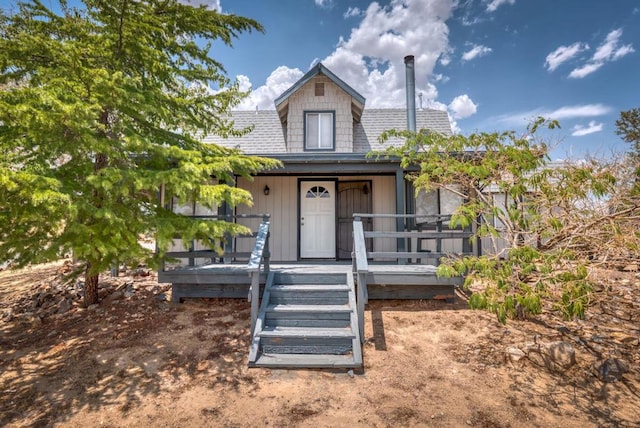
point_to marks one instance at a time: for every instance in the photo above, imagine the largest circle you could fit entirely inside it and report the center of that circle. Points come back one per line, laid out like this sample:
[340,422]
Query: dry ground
[137,360]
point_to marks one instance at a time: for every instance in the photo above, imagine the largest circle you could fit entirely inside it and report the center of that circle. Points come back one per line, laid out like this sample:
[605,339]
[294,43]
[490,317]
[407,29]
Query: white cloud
[440,78]
[279,81]
[371,58]
[580,130]
[352,11]
[585,70]
[326,4]
[586,110]
[622,51]
[445,57]
[562,113]
[495,4]
[563,54]
[476,52]
[462,107]
[609,50]
[467,21]
[210,4]
[243,82]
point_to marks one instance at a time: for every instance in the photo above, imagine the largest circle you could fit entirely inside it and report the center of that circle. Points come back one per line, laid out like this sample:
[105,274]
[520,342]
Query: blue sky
[492,64]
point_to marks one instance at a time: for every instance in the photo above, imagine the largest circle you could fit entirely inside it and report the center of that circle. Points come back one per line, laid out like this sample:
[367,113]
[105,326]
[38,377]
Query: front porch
[311,314]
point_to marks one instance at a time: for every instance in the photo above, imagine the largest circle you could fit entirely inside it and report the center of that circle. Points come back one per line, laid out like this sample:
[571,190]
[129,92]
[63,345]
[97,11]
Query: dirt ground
[138,360]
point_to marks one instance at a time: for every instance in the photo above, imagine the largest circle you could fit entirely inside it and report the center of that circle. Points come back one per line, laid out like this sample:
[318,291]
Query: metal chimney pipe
[411,92]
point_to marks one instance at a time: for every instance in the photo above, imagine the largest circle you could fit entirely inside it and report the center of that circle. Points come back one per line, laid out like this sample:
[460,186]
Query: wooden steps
[307,321]
[310,361]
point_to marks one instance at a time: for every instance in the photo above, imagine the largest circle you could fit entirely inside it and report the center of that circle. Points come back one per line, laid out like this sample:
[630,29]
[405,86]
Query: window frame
[306,114]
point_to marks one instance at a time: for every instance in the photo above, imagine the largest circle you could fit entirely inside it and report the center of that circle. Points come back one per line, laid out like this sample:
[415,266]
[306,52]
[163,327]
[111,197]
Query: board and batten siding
[384,202]
[281,203]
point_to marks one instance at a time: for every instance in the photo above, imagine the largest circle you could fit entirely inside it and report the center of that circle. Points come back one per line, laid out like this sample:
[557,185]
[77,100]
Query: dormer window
[319,130]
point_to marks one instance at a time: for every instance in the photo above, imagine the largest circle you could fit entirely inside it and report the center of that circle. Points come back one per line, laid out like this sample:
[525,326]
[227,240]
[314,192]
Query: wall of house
[282,205]
[189,209]
[305,100]
[444,202]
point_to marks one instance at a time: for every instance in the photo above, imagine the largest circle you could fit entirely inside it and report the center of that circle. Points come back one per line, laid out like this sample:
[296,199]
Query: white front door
[318,219]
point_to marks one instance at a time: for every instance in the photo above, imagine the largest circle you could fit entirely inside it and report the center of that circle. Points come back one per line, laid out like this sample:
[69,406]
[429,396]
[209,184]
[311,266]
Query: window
[319,131]
[317,192]
[319,89]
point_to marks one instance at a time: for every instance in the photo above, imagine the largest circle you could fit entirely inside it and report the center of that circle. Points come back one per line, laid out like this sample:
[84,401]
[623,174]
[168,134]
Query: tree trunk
[90,287]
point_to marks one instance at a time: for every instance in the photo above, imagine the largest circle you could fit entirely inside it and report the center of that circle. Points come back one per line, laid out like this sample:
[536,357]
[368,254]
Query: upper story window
[319,89]
[319,130]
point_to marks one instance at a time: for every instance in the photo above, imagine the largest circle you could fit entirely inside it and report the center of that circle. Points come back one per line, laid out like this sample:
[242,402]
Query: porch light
[266,190]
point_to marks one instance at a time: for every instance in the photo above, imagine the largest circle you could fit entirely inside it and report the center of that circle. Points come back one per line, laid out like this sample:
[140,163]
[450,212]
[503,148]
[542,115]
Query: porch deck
[384,280]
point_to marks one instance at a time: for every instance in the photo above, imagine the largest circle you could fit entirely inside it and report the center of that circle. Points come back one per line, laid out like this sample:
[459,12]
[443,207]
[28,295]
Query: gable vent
[319,89]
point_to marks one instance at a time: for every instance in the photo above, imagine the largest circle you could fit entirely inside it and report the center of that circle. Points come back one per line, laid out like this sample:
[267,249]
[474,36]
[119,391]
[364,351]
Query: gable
[282,102]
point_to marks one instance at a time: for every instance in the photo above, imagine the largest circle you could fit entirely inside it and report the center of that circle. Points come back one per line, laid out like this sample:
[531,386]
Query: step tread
[309,287]
[304,332]
[305,360]
[309,308]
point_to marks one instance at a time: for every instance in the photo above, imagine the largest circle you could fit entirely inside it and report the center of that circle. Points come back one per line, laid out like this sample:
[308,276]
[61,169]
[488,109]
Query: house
[306,310]
[321,132]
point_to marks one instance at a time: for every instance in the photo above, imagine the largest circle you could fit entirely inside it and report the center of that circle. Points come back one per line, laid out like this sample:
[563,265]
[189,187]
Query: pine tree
[102,106]
[628,128]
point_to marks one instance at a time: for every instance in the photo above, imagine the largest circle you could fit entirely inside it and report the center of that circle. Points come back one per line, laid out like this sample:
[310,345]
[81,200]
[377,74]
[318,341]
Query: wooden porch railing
[259,255]
[360,270]
[429,228]
[229,245]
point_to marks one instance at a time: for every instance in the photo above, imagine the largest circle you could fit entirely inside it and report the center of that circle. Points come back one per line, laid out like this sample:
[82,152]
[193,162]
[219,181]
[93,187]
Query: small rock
[140,271]
[64,306]
[36,321]
[633,267]
[114,296]
[350,373]
[610,370]
[555,356]
[93,307]
[123,286]
[514,354]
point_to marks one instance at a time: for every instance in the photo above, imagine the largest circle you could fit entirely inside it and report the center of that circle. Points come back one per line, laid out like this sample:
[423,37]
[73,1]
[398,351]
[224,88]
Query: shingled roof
[267,137]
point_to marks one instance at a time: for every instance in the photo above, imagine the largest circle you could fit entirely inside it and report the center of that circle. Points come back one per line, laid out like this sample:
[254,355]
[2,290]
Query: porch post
[400,209]
[227,211]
